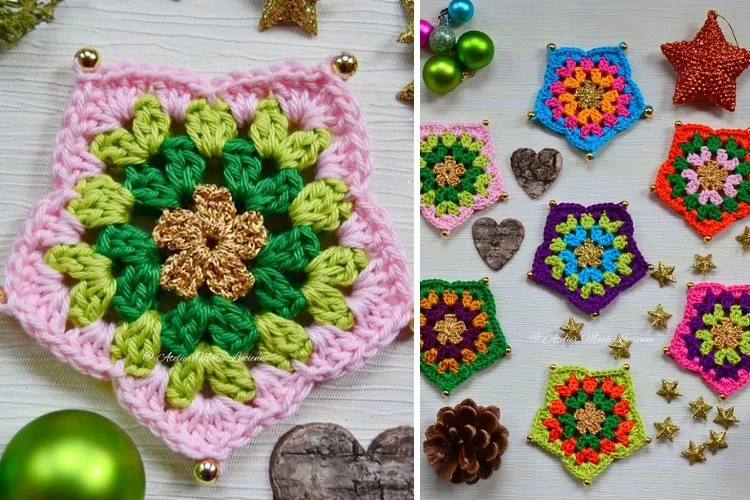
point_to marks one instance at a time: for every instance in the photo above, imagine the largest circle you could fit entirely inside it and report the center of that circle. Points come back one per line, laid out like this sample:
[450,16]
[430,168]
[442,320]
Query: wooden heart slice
[534,171]
[497,243]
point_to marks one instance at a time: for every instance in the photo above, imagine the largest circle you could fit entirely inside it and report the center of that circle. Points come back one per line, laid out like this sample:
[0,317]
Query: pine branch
[18,17]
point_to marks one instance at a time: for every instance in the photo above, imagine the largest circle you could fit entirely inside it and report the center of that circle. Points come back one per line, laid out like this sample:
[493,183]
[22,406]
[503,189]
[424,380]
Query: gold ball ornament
[345,65]
[648,112]
[206,471]
[504,196]
[623,46]
[677,123]
[589,156]
[530,115]
[444,233]
[551,47]
[87,59]
[508,351]
[486,280]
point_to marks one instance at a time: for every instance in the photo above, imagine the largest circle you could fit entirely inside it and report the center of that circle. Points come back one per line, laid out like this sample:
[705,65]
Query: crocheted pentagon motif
[588,419]
[589,254]
[211,247]
[713,338]
[459,333]
[588,96]
[457,173]
[706,177]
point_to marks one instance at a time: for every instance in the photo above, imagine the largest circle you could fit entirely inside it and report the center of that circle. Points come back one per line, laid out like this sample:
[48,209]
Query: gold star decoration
[406,94]
[407,36]
[716,441]
[668,390]
[664,275]
[299,12]
[572,330]
[666,429]
[726,417]
[744,238]
[700,408]
[704,264]
[659,317]
[694,453]
[620,347]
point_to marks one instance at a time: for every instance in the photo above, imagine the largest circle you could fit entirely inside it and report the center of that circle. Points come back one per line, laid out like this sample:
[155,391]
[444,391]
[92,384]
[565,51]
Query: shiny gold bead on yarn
[552,367]
[624,204]
[345,65]
[445,394]
[529,275]
[648,439]
[486,280]
[652,187]
[87,59]
[530,438]
[508,351]
[689,284]
[623,46]
[551,47]
[552,203]
[706,239]
[722,397]
[677,123]
[587,482]
[589,156]
[665,350]
[531,115]
[648,112]
[486,123]
[444,233]
[504,196]
[626,367]
[206,471]
[594,315]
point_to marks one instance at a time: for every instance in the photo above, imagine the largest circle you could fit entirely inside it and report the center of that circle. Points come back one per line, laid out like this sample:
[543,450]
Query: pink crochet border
[678,349]
[448,222]
[380,299]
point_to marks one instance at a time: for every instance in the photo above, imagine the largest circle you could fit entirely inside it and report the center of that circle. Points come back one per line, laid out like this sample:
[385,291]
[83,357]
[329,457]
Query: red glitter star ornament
[707,66]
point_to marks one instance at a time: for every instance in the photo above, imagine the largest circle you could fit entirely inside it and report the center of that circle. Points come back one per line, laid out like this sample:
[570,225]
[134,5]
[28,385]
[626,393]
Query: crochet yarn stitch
[589,254]
[588,419]
[459,333]
[457,173]
[706,177]
[588,96]
[713,338]
[211,247]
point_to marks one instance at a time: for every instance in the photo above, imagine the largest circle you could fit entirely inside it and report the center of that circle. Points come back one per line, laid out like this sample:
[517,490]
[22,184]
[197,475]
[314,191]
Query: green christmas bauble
[475,50]
[441,74]
[71,455]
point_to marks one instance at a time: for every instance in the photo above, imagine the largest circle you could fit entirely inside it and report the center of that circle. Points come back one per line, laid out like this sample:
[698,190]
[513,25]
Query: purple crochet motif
[588,254]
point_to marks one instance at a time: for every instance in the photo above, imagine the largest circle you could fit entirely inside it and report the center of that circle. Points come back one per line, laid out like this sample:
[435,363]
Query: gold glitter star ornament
[659,317]
[620,347]
[716,441]
[700,408]
[572,330]
[704,264]
[407,36]
[299,12]
[668,390]
[664,275]
[666,429]
[744,238]
[726,417]
[694,453]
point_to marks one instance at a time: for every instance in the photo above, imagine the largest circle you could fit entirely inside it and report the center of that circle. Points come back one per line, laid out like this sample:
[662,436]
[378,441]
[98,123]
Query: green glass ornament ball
[475,50]
[441,74]
[442,39]
[71,455]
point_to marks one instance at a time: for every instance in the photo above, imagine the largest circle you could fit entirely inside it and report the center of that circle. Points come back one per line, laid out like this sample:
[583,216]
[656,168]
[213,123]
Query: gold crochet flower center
[589,254]
[589,95]
[211,243]
[449,172]
[712,175]
[726,334]
[450,329]
[589,419]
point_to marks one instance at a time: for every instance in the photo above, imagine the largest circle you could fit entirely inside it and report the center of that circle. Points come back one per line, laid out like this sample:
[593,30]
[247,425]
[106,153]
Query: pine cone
[466,442]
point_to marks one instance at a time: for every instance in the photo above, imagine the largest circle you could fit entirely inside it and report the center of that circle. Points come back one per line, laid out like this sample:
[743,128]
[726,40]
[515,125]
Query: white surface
[209,37]
[623,170]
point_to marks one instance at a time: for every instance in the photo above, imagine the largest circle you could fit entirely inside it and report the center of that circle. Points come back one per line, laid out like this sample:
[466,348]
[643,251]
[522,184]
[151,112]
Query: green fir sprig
[18,17]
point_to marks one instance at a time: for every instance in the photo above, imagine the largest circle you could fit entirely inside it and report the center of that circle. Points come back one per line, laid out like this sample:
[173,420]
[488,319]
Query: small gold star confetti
[620,347]
[716,441]
[406,94]
[572,330]
[659,317]
[663,274]
[299,12]
[700,408]
[704,264]
[694,453]
[666,429]
[668,390]
[726,417]
[407,36]
[744,238]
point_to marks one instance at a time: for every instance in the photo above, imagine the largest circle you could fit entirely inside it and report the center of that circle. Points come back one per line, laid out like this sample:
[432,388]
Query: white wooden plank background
[623,170]
[209,37]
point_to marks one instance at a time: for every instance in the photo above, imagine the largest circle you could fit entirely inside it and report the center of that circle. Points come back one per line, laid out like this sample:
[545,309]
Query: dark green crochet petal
[446,193]
[276,295]
[183,165]
[183,327]
[427,178]
[289,251]
[151,188]
[231,327]
[241,167]
[273,195]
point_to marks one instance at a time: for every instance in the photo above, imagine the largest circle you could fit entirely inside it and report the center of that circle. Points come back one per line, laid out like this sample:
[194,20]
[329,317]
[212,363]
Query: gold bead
[689,284]
[552,367]
[595,315]
[87,59]
[530,438]
[486,280]
[589,156]
[624,204]
[206,471]
[446,394]
[706,239]
[648,112]
[652,187]
[504,196]
[677,123]
[3,296]
[552,203]
[444,233]
[722,396]
[529,275]
[344,65]
[551,47]
[665,350]
[587,482]
[650,267]
[623,46]
[648,439]
[626,367]
[486,123]
[531,115]
[508,350]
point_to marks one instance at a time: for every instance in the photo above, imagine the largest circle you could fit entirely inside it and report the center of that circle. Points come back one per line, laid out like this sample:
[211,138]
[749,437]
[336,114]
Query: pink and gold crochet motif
[211,247]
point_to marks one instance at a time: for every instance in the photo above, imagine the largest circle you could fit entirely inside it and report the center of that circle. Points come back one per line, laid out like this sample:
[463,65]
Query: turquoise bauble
[71,455]
[475,50]
[441,74]
[461,11]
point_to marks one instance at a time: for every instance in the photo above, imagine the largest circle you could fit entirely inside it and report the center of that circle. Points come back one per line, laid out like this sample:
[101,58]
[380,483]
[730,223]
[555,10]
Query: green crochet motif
[152,171]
